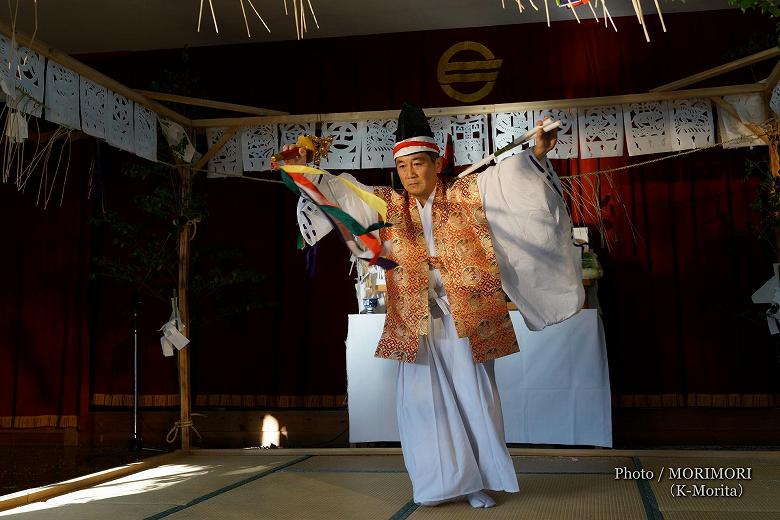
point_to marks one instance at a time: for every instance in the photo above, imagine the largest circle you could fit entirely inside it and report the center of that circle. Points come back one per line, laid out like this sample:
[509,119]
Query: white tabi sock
[480,499]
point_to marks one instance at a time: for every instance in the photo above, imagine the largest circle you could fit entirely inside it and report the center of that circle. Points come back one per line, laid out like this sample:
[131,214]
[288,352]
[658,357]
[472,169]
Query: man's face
[418,173]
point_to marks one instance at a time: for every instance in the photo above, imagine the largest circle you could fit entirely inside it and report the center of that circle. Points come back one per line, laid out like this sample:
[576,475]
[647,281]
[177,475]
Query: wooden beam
[224,138]
[729,108]
[46,492]
[88,72]
[774,77]
[721,69]
[186,100]
[487,109]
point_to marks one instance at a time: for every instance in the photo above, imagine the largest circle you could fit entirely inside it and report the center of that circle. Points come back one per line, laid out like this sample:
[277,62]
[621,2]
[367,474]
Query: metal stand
[136,443]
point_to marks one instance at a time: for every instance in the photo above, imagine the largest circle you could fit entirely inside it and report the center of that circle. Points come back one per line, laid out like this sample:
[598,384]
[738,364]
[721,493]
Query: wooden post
[185,187]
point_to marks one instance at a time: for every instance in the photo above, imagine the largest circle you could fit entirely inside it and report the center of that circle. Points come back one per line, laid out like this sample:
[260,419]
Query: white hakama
[449,411]
[449,418]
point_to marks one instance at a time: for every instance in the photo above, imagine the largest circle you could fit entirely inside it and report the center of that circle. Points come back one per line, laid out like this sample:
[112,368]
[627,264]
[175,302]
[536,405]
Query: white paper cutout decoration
[469,138]
[227,161]
[508,126]
[145,133]
[774,101]
[178,140]
[344,152]
[692,124]
[568,142]
[289,132]
[378,142]
[312,223]
[93,108]
[23,77]
[258,144]
[30,81]
[119,121]
[601,132]
[648,127]
[62,95]
[751,109]
[8,85]
[441,126]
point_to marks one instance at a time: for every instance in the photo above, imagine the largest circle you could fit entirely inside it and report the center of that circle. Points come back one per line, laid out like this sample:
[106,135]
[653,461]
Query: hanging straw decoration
[258,15]
[547,12]
[661,16]
[593,9]
[213,16]
[574,12]
[640,16]
[607,15]
[246,22]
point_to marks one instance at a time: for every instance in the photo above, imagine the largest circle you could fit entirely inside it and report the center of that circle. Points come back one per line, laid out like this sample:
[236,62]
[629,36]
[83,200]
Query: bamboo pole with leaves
[185,235]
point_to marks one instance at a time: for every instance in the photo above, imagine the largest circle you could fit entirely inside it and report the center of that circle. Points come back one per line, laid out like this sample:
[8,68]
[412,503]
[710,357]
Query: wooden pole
[721,69]
[486,109]
[76,66]
[187,100]
[185,191]
[226,136]
[773,78]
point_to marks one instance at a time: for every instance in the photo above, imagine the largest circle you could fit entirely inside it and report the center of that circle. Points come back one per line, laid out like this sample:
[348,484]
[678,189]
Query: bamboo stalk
[185,178]
[88,72]
[486,109]
[719,70]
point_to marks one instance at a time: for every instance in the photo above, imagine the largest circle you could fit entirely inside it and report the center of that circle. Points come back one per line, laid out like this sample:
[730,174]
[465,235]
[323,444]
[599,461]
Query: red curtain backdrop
[673,299]
[44,304]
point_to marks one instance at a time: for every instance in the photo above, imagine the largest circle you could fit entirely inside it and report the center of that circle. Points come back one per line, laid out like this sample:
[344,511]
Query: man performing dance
[461,246]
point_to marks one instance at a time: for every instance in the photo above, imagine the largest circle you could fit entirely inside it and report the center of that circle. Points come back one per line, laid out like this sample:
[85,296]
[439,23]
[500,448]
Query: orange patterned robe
[469,272]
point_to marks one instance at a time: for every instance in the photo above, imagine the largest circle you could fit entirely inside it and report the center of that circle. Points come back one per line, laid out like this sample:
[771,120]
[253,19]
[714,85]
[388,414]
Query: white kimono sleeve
[335,191]
[541,268]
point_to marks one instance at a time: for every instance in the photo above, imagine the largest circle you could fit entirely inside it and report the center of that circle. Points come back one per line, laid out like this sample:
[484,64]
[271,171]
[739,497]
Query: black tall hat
[413,134]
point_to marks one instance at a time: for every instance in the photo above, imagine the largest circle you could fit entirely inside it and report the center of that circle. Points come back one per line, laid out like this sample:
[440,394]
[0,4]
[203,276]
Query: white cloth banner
[554,391]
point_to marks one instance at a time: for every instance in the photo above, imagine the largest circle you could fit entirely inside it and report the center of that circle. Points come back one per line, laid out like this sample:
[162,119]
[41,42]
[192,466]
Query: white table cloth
[554,391]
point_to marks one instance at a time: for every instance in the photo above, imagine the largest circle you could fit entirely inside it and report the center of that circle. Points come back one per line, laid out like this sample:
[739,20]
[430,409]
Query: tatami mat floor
[359,484]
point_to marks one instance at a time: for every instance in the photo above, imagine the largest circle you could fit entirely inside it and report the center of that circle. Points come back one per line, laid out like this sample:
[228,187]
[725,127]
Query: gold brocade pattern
[468,267]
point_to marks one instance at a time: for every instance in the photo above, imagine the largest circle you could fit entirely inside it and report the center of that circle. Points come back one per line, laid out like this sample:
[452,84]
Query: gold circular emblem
[454,72]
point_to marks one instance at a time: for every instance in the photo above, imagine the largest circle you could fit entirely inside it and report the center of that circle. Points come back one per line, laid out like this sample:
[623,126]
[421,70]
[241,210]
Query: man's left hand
[544,141]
